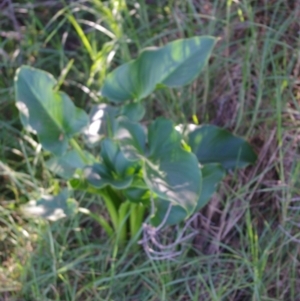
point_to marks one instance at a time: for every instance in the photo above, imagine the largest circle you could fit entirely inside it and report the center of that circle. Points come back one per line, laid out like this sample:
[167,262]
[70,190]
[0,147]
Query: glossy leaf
[115,170]
[132,138]
[114,158]
[212,174]
[174,65]
[133,111]
[109,152]
[212,144]
[102,122]
[103,119]
[169,171]
[52,207]
[50,114]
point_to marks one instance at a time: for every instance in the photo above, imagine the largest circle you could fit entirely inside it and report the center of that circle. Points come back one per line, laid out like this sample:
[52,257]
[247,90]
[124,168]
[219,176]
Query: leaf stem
[112,210]
[122,229]
[79,150]
[136,218]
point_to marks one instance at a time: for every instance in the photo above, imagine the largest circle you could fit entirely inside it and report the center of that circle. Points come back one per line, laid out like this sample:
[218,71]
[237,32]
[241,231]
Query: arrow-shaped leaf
[50,114]
[174,65]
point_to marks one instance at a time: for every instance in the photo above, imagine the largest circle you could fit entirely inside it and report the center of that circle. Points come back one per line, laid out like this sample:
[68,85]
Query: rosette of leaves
[138,167]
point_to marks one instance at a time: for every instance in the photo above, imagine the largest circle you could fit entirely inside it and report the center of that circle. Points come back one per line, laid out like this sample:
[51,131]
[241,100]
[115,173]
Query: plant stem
[122,229]
[112,210]
[136,218]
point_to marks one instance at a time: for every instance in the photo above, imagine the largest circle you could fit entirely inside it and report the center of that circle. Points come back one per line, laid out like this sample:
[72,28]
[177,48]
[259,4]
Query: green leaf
[102,122]
[137,195]
[132,138]
[99,176]
[212,175]
[52,207]
[79,183]
[108,153]
[174,65]
[50,114]
[115,169]
[133,111]
[103,119]
[212,144]
[169,171]
[138,191]
[114,158]
[66,165]
[176,215]
[163,139]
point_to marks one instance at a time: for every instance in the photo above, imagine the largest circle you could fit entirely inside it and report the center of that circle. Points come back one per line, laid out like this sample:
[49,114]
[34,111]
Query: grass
[248,245]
